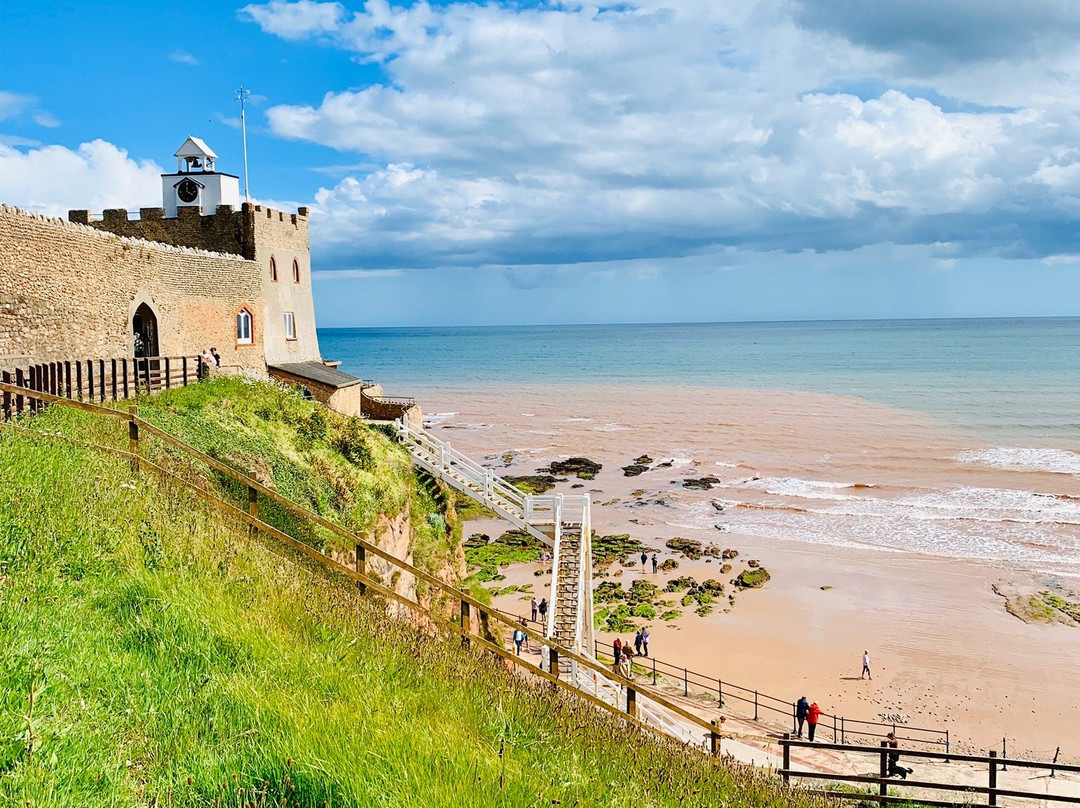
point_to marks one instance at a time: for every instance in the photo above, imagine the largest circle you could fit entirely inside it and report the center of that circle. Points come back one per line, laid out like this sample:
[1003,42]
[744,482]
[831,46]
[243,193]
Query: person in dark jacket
[894,759]
[802,708]
[542,608]
[813,713]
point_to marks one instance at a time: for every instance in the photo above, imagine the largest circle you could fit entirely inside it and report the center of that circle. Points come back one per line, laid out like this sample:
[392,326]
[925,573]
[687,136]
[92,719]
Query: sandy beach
[882,564]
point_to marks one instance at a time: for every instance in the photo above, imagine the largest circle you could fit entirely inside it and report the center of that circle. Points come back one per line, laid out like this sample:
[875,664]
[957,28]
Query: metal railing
[835,728]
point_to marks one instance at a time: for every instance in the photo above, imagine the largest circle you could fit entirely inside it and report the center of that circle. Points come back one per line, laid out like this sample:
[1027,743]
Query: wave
[1053,461]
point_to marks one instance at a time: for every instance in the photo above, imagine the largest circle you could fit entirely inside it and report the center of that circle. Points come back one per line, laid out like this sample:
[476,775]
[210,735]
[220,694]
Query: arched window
[273,269]
[295,271]
[245,329]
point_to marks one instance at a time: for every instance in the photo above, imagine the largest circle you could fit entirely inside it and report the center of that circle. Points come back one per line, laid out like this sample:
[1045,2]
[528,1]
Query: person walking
[644,559]
[617,652]
[627,661]
[894,759]
[645,641]
[866,665]
[519,638]
[535,606]
[655,564]
[813,713]
[802,709]
[637,642]
[542,608]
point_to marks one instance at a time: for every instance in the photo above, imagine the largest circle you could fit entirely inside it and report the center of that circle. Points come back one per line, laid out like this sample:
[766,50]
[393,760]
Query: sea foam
[1054,461]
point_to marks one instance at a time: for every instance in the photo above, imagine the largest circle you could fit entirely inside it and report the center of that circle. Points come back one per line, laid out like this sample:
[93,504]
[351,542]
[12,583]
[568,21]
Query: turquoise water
[1015,377]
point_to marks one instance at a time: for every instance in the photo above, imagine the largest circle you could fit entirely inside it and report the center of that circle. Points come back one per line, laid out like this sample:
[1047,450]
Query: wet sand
[944,650]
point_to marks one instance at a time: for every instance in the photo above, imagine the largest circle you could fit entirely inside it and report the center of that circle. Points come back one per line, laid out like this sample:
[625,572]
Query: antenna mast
[241,96]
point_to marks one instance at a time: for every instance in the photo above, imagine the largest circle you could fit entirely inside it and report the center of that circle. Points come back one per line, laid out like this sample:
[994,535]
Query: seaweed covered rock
[533,483]
[753,578]
[584,468]
[729,554]
[680,583]
[690,548]
[753,563]
[617,547]
[668,565]
[642,592]
[634,470]
[700,483]
[713,587]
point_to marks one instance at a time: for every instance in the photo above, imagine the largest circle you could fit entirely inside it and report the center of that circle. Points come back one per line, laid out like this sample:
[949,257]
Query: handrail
[140,424]
[725,690]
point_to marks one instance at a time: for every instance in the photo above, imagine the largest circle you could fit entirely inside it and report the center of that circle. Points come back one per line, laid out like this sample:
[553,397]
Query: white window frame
[290,325]
[245,328]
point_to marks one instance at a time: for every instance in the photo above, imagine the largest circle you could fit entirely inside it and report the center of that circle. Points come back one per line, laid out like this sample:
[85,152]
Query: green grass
[175,661]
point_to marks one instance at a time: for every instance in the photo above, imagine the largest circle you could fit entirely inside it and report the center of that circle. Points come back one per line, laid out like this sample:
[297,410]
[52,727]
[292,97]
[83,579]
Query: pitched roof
[318,372]
[194,147]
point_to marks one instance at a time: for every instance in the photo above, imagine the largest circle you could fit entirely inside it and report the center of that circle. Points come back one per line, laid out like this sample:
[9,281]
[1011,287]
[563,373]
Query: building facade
[202,270]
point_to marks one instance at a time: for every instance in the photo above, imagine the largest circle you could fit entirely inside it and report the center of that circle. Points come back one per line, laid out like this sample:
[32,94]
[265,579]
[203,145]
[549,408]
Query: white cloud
[183,58]
[297,20]
[13,104]
[98,175]
[46,119]
[525,136]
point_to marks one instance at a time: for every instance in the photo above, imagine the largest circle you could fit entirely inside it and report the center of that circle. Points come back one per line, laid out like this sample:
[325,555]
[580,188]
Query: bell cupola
[197,183]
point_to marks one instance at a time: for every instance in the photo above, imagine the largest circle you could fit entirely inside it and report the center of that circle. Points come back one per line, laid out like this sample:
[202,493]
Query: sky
[654,161]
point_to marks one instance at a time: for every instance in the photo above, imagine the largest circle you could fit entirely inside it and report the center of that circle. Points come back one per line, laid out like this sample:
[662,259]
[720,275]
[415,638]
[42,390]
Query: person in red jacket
[812,716]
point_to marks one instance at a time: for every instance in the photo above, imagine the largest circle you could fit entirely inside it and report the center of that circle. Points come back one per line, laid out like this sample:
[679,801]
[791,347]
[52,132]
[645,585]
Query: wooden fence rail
[138,432]
[879,756]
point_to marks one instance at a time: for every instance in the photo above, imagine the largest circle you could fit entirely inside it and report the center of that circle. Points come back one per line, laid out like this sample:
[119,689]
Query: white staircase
[562,522]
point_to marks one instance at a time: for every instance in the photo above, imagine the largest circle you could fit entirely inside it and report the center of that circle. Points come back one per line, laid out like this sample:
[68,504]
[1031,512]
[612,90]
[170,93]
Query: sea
[957,438]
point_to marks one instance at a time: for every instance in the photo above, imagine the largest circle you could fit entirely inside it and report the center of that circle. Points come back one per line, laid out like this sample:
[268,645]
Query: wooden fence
[878,758]
[97,380]
[140,430]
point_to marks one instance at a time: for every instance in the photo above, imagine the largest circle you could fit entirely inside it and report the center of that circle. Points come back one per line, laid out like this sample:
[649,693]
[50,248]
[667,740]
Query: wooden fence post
[183,366]
[253,508]
[631,702]
[5,413]
[51,378]
[133,436]
[90,380]
[168,381]
[78,380]
[883,787]
[67,378]
[786,744]
[361,567]
[466,623]
[114,380]
[714,738]
[553,663]
[991,796]
[19,382]
[101,379]
[124,369]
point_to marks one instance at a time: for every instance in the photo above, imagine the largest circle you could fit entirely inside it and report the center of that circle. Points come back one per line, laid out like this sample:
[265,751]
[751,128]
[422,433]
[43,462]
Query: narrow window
[273,269]
[243,327]
[295,271]
[290,325]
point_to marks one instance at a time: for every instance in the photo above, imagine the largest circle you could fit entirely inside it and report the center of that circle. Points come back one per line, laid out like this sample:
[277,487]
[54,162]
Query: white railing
[544,517]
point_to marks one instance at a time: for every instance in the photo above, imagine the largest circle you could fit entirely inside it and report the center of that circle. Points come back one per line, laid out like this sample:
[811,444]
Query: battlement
[226,230]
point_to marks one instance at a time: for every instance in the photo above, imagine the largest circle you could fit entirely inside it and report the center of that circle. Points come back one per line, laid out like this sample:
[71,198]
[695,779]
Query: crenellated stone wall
[69,290]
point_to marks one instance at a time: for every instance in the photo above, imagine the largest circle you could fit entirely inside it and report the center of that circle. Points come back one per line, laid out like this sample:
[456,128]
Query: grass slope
[171,660]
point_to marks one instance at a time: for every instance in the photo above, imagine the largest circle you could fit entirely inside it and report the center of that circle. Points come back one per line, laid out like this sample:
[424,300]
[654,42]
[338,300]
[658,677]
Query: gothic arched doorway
[144,331]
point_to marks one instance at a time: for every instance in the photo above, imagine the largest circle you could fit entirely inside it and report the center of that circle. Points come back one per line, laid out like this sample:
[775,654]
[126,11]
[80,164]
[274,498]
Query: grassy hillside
[155,655]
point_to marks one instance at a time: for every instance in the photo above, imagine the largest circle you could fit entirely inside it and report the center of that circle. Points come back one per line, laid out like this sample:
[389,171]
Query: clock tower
[196,183]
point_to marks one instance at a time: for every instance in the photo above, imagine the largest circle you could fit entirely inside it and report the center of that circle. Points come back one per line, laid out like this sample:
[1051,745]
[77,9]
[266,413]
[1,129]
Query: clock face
[187,191]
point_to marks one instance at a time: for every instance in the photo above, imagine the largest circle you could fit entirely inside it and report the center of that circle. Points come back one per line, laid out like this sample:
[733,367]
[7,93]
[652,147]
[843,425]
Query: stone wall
[69,291]
[222,232]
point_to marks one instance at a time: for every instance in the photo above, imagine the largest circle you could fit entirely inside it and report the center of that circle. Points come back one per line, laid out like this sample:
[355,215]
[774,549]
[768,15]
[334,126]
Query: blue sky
[532,163]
